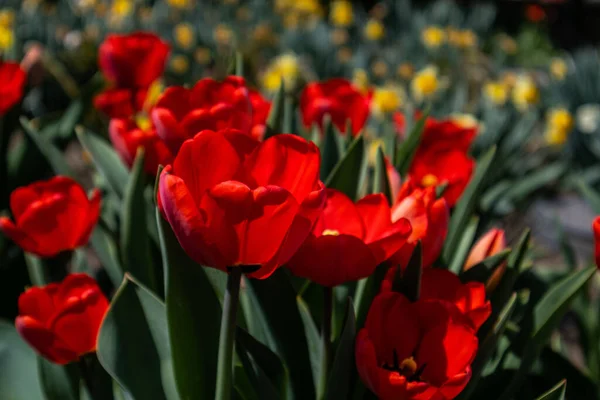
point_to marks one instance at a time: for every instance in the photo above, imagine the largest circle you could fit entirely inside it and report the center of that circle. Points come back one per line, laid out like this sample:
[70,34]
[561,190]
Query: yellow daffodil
[374,30]
[525,93]
[508,44]
[341,13]
[433,37]
[184,35]
[466,120]
[181,4]
[6,38]
[180,64]
[308,7]
[7,18]
[284,67]
[406,71]
[223,34]
[558,68]
[463,39]
[496,92]
[559,123]
[425,83]
[121,8]
[386,100]
[360,79]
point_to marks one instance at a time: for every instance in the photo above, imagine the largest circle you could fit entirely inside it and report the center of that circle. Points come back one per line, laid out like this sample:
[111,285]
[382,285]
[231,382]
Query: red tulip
[337,98]
[126,137]
[61,320]
[416,351]
[445,133]
[12,82]
[233,201]
[349,240]
[429,219]
[443,285]
[133,60]
[51,216]
[181,113]
[596,229]
[535,13]
[435,166]
[260,112]
[120,103]
[491,243]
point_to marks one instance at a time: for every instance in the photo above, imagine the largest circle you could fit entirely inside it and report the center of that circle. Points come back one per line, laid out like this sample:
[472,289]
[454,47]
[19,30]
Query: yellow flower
[379,68]
[223,34]
[560,118]
[121,8]
[374,30]
[360,79]
[181,4]
[558,68]
[425,83]
[386,100]
[291,20]
[433,37]
[406,71]
[341,13]
[202,55]
[465,120]
[508,44]
[311,7]
[496,92]
[6,38]
[184,35]
[525,93]
[509,79]
[463,39]
[179,64]
[284,67]
[7,18]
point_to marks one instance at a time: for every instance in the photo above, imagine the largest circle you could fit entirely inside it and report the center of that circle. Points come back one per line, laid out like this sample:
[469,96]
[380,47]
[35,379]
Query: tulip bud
[491,243]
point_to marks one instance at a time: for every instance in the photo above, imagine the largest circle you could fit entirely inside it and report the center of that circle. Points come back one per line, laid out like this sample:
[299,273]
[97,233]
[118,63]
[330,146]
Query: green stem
[227,335]
[325,340]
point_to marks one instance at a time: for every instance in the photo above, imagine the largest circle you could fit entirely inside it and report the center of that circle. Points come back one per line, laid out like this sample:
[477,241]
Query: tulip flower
[596,229]
[415,351]
[51,216]
[429,218]
[349,240]
[12,79]
[443,285]
[337,98]
[120,103]
[126,137]
[491,243]
[134,60]
[181,113]
[61,320]
[235,202]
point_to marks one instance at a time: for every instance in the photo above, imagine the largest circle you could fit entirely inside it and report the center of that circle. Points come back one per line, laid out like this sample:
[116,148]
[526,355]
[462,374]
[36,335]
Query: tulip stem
[325,340]
[227,335]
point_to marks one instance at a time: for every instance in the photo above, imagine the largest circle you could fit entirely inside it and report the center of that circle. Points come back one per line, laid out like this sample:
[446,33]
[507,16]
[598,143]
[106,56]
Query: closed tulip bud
[491,243]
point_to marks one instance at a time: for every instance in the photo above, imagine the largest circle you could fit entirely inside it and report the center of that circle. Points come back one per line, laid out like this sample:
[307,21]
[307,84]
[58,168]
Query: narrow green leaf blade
[343,363]
[52,154]
[381,182]
[464,245]
[60,382]
[330,154]
[482,271]
[407,149]
[558,392]
[345,173]
[276,115]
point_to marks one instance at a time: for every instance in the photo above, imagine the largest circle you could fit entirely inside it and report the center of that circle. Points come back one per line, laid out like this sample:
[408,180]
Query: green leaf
[464,245]
[106,250]
[536,180]
[276,115]
[135,243]
[194,317]
[59,382]
[345,173]
[106,160]
[133,345]
[381,183]
[277,301]
[558,392]
[407,149]
[19,379]
[288,115]
[330,153]
[52,154]
[343,364]
[592,197]
[410,283]
[366,290]
[70,118]
[467,203]
[271,375]
[313,338]
[38,273]
[483,270]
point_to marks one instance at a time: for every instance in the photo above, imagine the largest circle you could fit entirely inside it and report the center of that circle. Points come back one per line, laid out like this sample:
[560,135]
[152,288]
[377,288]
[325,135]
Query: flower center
[407,368]
[429,180]
[330,232]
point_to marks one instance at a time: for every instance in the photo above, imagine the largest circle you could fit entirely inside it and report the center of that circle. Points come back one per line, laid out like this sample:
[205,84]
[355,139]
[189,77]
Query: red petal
[38,302]
[375,213]
[168,128]
[44,341]
[596,229]
[21,238]
[20,199]
[392,241]
[340,214]
[175,99]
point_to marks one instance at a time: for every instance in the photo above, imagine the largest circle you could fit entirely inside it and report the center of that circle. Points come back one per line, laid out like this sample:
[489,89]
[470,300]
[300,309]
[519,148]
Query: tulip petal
[175,99]
[197,121]
[21,198]
[38,302]
[168,128]
[44,341]
[375,213]
[453,386]
[392,241]
[21,238]
[340,214]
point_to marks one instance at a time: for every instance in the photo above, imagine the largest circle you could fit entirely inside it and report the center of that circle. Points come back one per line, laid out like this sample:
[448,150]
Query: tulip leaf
[464,245]
[366,290]
[410,283]
[558,392]
[465,206]
[106,160]
[19,378]
[408,148]
[264,366]
[135,244]
[52,154]
[133,343]
[288,115]
[592,197]
[534,181]
[338,384]
[38,273]
[277,304]
[344,175]
[106,250]
[313,338]
[59,382]
[381,182]
[70,118]
[193,316]
[276,115]
[330,152]
[483,270]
